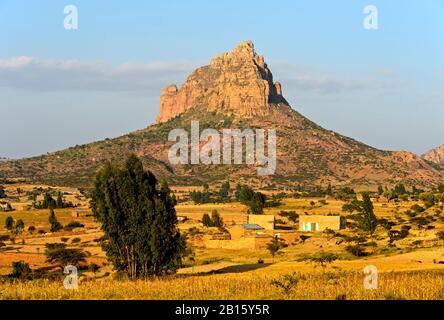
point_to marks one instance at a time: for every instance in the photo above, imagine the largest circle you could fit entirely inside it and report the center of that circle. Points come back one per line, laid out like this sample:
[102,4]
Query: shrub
[58,253]
[440,235]
[417,208]
[9,223]
[206,220]
[304,238]
[288,282]
[93,268]
[20,270]
[357,251]
[73,225]
[216,219]
[76,240]
[5,237]
[323,259]
[275,246]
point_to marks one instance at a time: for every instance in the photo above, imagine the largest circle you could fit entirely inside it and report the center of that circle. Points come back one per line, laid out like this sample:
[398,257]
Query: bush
[58,253]
[288,282]
[417,208]
[214,221]
[76,240]
[5,237]
[357,251]
[73,225]
[20,270]
[93,268]
[440,235]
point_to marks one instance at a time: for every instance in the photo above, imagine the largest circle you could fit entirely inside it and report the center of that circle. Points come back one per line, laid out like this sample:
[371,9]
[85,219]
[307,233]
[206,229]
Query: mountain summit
[435,155]
[236,90]
[238,82]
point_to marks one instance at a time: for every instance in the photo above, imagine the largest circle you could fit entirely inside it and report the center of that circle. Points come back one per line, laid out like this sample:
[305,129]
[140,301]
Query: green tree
[18,227]
[138,220]
[428,198]
[246,194]
[290,215]
[2,193]
[237,192]
[55,224]
[275,245]
[323,259]
[48,202]
[216,219]
[9,223]
[59,202]
[20,270]
[58,253]
[366,217]
[254,200]
[224,192]
[400,189]
[380,190]
[206,220]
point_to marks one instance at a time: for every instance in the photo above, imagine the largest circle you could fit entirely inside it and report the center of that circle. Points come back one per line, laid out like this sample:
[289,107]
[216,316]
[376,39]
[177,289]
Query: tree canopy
[138,219]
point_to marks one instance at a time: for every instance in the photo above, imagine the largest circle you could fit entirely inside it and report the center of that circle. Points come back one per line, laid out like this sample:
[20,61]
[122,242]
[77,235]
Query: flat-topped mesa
[238,83]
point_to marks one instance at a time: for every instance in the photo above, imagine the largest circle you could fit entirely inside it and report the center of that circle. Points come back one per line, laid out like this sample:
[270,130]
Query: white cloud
[300,78]
[30,73]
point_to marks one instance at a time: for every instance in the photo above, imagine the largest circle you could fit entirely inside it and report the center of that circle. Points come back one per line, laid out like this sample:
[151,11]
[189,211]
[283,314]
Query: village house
[265,221]
[318,223]
[79,213]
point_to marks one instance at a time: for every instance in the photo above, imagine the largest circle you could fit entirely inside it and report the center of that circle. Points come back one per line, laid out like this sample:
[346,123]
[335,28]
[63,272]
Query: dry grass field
[412,269]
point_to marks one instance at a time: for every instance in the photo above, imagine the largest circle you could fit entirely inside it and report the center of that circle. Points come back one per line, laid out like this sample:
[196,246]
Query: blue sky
[60,88]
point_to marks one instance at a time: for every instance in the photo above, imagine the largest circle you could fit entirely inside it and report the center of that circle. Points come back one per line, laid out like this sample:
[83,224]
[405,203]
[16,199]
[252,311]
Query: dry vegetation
[411,269]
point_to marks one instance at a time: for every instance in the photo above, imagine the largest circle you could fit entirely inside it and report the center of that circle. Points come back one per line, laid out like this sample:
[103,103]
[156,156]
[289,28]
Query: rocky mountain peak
[237,82]
[436,155]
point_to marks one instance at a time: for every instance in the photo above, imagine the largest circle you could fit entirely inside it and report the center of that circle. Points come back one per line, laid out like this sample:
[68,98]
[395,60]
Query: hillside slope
[435,155]
[236,91]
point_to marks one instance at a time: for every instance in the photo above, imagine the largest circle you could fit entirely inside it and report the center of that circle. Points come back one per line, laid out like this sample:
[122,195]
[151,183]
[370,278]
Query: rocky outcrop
[238,83]
[435,155]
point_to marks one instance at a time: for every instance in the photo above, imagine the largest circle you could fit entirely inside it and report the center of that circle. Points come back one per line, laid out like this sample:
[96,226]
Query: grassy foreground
[414,285]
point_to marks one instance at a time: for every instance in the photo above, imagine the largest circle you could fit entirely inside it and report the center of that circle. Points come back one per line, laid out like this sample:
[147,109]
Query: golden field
[414,269]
